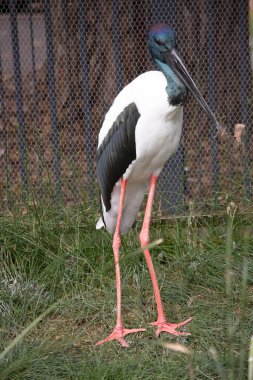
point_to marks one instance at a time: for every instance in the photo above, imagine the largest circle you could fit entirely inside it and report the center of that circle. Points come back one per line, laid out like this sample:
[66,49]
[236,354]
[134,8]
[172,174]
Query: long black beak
[176,64]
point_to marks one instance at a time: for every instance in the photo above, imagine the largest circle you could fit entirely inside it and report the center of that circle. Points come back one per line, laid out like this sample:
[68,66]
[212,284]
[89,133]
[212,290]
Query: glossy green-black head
[161,43]
[161,39]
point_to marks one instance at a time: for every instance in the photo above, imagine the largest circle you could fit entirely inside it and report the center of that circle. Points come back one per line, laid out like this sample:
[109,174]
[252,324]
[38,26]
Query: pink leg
[119,332]
[161,322]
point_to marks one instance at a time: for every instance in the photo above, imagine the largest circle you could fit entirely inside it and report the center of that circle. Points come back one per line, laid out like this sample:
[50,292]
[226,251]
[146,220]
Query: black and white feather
[117,152]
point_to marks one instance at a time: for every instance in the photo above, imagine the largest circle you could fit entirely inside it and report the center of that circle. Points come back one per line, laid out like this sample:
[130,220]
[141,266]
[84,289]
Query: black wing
[116,152]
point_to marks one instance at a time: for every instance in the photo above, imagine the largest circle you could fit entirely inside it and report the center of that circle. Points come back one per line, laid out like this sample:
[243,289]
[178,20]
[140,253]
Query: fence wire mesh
[63,62]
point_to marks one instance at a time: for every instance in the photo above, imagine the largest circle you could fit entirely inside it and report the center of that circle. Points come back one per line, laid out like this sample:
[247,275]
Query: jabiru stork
[141,130]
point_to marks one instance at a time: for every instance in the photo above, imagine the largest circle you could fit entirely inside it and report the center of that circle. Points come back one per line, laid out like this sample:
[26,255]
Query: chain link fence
[63,62]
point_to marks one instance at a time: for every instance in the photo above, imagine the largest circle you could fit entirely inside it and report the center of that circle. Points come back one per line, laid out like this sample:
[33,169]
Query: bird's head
[161,39]
[162,46]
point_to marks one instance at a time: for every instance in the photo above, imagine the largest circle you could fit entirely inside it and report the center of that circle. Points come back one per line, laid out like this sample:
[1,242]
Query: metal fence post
[210,41]
[19,98]
[35,98]
[5,135]
[116,40]
[245,81]
[228,105]
[70,92]
[86,100]
[52,95]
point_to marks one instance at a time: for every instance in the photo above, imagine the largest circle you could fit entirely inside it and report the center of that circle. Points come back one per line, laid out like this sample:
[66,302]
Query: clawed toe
[164,326]
[118,334]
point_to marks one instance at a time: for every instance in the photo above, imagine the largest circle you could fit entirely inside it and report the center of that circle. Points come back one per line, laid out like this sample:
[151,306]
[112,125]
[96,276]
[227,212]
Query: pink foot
[118,334]
[170,327]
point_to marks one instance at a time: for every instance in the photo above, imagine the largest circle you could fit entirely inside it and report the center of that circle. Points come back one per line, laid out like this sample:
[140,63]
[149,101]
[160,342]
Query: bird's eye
[159,42]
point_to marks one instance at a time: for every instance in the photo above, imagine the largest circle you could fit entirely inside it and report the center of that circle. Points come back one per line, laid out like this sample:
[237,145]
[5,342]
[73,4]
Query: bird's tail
[100,224]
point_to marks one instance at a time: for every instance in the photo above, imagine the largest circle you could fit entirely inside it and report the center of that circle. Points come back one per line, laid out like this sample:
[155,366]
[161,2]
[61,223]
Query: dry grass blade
[177,347]
[238,132]
[219,366]
[152,244]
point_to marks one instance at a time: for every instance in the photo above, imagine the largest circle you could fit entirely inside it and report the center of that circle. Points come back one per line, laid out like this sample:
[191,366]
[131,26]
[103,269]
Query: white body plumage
[157,136]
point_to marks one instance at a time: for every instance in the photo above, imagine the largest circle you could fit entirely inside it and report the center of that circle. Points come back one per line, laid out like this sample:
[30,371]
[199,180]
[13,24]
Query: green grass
[57,298]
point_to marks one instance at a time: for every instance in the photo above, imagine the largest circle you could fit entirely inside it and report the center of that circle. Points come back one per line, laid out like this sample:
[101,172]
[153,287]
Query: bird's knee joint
[144,238]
